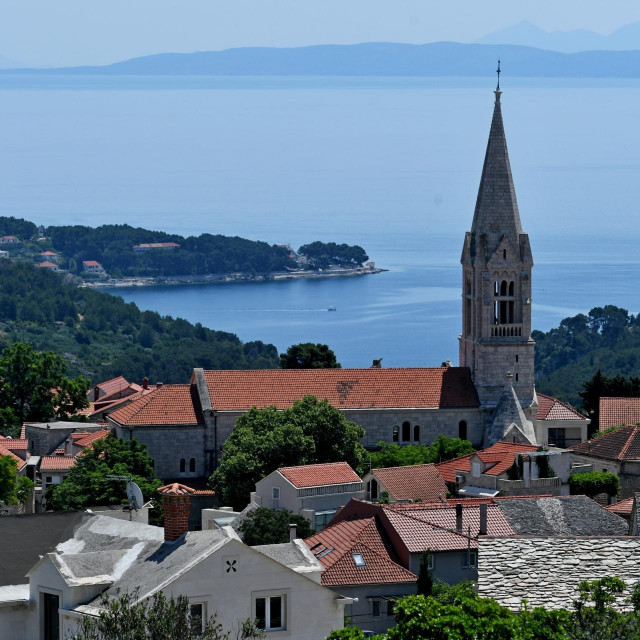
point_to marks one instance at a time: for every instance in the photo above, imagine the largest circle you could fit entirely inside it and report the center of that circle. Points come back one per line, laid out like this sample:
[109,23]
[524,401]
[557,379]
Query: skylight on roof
[358,559]
[324,553]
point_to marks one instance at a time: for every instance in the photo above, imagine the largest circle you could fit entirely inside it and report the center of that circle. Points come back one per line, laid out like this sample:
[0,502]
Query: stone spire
[496,213]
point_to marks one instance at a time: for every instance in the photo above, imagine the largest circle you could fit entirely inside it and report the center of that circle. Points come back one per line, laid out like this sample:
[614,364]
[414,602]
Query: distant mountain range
[375,59]
[625,38]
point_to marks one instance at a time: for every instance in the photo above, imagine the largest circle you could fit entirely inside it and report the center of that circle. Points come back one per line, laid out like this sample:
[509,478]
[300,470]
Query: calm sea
[391,164]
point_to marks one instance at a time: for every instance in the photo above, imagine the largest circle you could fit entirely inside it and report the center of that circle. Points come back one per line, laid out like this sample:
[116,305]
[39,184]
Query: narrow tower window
[495,288]
[192,465]
[504,254]
[503,288]
[511,288]
[183,465]
[406,432]
[462,429]
[396,433]
[416,433]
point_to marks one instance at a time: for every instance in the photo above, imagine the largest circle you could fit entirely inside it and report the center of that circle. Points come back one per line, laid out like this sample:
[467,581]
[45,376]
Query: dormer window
[476,468]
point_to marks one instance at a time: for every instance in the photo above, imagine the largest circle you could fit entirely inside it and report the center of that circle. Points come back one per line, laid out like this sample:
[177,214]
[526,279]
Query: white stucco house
[278,586]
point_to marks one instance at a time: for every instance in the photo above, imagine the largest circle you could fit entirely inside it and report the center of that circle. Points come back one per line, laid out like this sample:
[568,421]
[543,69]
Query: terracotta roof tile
[552,409]
[622,444]
[111,386]
[499,456]
[7,452]
[56,463]
[14,444]
[89,438]
[421,481]
[317,475]
[335,546]
[45,264]
[343,388]
[621,508]
[175,489]
[170,404]
[617,411]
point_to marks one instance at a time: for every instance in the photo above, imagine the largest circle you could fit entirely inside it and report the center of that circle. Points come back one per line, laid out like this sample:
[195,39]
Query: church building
[489,397]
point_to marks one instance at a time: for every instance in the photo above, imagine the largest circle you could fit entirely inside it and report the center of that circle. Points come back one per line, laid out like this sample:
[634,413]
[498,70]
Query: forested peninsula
[111,252]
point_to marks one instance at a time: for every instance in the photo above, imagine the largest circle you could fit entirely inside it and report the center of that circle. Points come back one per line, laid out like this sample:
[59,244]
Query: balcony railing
[506,330]
[513,485]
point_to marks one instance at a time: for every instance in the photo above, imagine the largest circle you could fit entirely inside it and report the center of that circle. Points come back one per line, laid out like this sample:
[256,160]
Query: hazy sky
[44,32]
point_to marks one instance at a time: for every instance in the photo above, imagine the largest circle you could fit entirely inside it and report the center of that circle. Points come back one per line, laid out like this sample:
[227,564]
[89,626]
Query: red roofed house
[147,246]
[93,268]
[51,256]
[559,424]
[54,469]
[9,240]
[619,411]
[421,482]
[314,491]
[51,266]
[359,562]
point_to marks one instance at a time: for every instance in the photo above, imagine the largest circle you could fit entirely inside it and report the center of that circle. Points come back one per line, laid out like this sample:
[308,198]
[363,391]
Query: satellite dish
[134,495]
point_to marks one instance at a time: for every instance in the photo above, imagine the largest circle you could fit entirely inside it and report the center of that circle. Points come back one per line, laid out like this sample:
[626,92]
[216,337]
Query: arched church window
[468,287]
[495,288]
[504,254]
[406,432]
[511,312]
[512,288]
[462,429]
[496,307]
[396,433]
[183,465]
[503,288]
[416,433]
[192,465]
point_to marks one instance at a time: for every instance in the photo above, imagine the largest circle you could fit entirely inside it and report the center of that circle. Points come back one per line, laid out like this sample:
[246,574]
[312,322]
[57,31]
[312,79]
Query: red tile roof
[170,404]
[56,463]
[343,388]
[4,451]
[90,263]
[334,548]
[551,409]
[617,411]
[48,253]
[622,444]
[45,264]
[499,457]
[622,508]
[317,475]
[109,387]
[109,405]
[89,438]
[14,444]
[421,481]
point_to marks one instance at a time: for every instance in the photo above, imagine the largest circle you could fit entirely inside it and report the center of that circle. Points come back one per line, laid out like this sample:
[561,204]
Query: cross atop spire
[498,71]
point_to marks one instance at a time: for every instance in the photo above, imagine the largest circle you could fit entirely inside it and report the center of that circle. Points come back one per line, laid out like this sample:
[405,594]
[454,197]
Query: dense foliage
[607,339]
[324,254]
[101,336]
[393,455]
[308,355]
[22,229]
[263,440]
[112,246]
[34,387]
[267,526]
[593,483]
[14,489]
[457,613]
[87,483]
[156,618]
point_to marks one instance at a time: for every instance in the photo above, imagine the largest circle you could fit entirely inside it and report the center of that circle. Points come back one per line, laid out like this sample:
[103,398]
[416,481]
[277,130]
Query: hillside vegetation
[101,336]
[606,339]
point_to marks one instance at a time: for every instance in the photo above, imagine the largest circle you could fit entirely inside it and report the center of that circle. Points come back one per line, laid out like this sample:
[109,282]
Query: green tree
[593,483]
[87,483]
[156,618]
[425,576]
[263,440]
[14,489]
[348,633]
[308,355]
[34,386]
[266,526]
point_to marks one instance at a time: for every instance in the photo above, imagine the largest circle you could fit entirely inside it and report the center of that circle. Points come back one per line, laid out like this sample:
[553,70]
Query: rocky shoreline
[229,278]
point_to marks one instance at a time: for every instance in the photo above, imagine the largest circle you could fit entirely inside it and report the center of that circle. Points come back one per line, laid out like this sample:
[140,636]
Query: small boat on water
[331,308]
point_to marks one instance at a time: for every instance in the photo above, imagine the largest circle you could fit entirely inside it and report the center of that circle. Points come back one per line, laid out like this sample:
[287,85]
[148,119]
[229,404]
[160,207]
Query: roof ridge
[627,444]
[437,526]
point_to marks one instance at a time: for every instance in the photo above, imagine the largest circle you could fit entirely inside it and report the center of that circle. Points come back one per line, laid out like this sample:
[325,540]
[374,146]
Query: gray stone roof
[546,571]
[508,413]
[294,554]
[558,516]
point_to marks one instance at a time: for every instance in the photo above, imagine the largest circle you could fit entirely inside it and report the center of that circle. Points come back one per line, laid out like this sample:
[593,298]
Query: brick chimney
[145,382]
[176,503]
[459,517]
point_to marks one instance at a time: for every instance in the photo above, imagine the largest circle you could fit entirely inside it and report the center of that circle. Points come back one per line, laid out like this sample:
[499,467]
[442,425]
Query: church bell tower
[496,282]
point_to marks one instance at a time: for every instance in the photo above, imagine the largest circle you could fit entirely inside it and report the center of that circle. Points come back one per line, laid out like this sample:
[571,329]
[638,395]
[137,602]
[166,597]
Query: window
[192,465]
[396,433]
[358,560]
[197,618]
[503,288]
[504,254]
[375,612]
[373,490]
[322,519]
[416,433]
[183,465]
[49,479]
[516,377]
[495,288]
[406,432]
[276,493]
[517,357]
[462,429]
[270,613]
[432,562]
[476,468]
[511,288]
[391,605]
[51,617]
[556,438]
[469,560]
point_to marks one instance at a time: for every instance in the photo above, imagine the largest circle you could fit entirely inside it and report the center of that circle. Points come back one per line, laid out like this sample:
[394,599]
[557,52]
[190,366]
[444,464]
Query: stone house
[278,586]
[45,437]
[616,452]
[47,264]
[360,562]
[93,268]
[419,482]
[314,491]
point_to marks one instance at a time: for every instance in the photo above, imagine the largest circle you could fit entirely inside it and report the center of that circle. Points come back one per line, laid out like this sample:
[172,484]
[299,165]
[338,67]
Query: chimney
[159,384]
[483,519]
[145,382]
[458,517]
[377,364]
[96,393]
[292,532]
[446,364]
[176,503]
